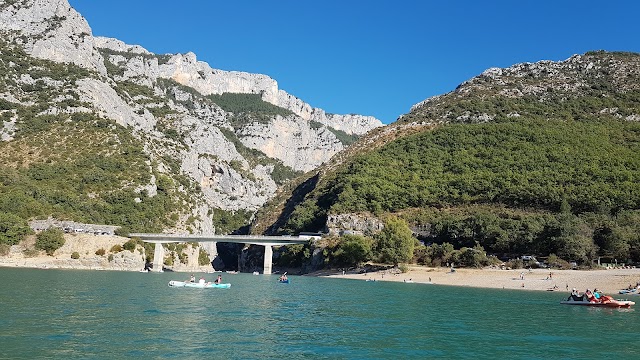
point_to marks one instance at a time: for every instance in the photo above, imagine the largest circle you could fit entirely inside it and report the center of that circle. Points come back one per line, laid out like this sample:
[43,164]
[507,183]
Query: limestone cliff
[235,158]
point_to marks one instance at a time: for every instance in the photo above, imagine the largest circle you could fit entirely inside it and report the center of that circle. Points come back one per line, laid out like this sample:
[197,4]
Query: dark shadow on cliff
[297,196]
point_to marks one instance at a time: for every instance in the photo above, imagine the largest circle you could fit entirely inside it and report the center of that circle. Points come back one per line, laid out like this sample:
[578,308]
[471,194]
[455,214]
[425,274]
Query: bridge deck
[245,239]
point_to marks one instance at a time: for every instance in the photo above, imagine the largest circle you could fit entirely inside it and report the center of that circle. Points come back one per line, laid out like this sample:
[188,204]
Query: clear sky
[369,57]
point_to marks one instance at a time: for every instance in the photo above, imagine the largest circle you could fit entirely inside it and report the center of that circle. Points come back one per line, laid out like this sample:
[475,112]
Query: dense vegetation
[395,244]
[554,173]
[227,222]
[72,165]
[50,240]
[542,159]
[343,137]
[574,182]
[247,103]
[247,108]
[535,164]
[86,177]
[13,229]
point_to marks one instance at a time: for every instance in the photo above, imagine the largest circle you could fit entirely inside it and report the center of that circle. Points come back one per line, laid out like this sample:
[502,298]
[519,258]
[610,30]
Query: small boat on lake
[175,283]
[604,301]
[283,279]
[628,291]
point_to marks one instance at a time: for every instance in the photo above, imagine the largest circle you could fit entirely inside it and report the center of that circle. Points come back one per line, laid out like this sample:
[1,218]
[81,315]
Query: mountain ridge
[229,161]
[535,158]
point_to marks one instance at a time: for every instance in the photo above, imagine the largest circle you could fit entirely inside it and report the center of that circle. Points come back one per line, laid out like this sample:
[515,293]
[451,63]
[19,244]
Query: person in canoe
[283,278]
[218,280]
[192,278]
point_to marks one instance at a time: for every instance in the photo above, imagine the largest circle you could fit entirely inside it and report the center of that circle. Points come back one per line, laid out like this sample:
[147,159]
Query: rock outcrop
[53,30]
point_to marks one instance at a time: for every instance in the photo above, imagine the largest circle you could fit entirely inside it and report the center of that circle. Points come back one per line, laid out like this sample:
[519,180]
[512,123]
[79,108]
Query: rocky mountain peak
[51,29]
[187,115]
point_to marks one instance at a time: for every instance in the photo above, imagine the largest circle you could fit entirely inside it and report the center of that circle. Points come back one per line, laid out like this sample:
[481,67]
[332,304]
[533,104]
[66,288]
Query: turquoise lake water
[67,314]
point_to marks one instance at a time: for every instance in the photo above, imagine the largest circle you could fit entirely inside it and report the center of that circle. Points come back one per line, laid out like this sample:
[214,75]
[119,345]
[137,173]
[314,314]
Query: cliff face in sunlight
[218,143]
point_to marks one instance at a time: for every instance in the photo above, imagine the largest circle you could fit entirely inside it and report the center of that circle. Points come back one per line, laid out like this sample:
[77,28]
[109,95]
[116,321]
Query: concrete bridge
[267,241]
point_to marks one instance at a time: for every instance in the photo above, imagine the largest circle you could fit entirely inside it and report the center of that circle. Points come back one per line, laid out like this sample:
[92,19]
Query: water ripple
[105,315]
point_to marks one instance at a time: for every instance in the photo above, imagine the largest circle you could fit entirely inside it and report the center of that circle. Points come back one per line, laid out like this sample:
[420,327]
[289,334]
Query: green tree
[50,240]
[444,252]
[473,257]
[13,229]
[395,242]
[354,250]
[292,255]
[613,242]
[573,239]
[203,258]
[305,217]
[130,245]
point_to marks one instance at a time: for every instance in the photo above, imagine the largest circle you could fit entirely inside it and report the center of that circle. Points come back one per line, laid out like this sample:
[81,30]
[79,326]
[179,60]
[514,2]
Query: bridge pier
[158,258]
[268,259]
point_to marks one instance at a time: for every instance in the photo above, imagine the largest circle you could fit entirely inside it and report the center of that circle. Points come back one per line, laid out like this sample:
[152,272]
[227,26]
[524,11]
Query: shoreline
[608,281]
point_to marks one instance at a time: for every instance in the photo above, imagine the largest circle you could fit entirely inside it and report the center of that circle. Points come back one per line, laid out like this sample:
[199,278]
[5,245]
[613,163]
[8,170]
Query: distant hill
[539,158]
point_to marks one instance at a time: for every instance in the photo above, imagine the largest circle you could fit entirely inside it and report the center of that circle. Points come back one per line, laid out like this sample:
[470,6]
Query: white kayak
[199,285]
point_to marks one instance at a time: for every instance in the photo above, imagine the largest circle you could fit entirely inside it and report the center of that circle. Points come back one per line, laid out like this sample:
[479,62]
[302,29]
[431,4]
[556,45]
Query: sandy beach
[608,281]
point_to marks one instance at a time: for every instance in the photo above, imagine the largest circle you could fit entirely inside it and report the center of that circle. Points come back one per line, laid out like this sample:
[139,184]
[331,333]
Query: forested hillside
[73,165]
[536,159]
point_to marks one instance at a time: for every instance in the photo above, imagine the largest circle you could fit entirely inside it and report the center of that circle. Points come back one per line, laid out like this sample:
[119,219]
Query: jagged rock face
[224,186]
[306,150]
[53,30]
[350,123]
[162,99]
[110,105]
[353,223]
[187,70]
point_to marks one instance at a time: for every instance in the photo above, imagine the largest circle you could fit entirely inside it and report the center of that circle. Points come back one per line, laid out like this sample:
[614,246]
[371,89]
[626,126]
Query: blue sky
[369,57]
